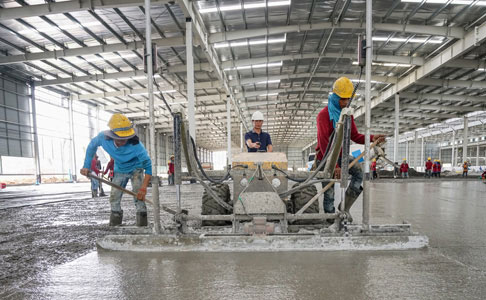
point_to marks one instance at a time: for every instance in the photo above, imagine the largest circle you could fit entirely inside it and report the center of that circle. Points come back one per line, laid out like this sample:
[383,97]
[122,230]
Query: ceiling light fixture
[251,43]
[387,64]
[403,40]
[259,66]
[245,6]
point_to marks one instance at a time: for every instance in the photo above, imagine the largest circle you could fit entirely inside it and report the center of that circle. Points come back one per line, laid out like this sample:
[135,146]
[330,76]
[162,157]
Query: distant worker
[483,176]
[434,168]
[428,167]
[439,168]
[373,168]
[98,166]
[404,168]
[465,168]
[327,119]
[94,183]
[130,159]
[110,169]
[257,140]
[170,171]
[396,170]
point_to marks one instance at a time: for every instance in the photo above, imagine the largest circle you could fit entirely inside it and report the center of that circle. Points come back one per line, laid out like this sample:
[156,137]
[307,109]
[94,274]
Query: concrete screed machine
[264,214]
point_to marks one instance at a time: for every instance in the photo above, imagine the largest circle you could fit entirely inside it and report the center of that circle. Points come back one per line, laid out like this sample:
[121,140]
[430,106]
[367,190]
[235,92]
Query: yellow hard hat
[374,159]
[120,127]
[343,87]
[404,159]
[428,158]
[438,160]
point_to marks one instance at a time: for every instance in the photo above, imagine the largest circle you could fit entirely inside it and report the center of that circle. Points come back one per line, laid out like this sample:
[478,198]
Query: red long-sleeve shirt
[171,168]
[373,166]
[110,166]
[93,166]
[428,165]
[325,129]
[404,168]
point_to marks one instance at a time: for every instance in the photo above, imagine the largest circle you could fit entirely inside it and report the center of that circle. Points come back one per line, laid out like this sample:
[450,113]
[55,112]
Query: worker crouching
[131,161]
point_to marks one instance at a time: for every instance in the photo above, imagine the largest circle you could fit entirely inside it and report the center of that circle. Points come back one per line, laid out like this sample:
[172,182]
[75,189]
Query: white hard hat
[257,116]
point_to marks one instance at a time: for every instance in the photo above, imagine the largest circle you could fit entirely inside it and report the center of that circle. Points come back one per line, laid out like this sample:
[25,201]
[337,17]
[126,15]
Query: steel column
[369,53]
[397,126]
[191,114]
[150,79]
[73,141]
[422,158]
[38,178]
[465,139]
[415,150]
[241,137]
[228,128]
[477,154]
[453,160]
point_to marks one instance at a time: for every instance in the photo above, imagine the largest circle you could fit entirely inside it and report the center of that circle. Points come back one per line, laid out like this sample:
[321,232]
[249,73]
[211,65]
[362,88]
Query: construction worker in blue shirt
[257,140]
[131,160]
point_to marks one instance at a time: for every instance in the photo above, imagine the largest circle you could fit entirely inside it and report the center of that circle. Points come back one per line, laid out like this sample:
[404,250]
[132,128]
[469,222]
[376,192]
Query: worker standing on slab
[396,170]
[131,160]
[465,168]
[110,169]
[439,168]
[98,166]
[94,183]
[428,168]
[435,168]
[170,172]
[327,118]
[373,169]
[257,140]
[404,168]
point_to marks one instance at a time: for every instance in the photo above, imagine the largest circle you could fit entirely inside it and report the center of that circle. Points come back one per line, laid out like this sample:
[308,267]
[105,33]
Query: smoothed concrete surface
[451,213]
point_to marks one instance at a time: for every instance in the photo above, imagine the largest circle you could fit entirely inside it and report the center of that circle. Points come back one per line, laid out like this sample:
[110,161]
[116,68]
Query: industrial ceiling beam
[450,32]
[52,8]
[108,48]
[441,97]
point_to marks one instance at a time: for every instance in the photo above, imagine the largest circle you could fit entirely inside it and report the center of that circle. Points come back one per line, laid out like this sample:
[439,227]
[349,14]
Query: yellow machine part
[251,159]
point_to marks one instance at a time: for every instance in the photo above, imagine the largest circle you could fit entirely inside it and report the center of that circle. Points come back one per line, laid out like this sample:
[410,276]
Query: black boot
[142,218]
[94,193]
[351,196]
[116,218]
[102,193]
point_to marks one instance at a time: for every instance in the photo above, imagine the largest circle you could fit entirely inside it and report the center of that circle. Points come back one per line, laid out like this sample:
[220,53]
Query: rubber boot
[116,218]
[351,196]
[142,218]
[94,193]
[102,193]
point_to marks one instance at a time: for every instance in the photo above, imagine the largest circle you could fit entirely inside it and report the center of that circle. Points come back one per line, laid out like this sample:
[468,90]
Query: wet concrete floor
[451,213]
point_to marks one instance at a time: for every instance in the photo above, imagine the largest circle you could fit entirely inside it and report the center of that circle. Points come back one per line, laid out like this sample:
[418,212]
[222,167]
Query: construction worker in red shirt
[373,169]
[435,168]
[170,172]
[428,168]
[110,169]
[327,118]
[465,168]
[404,168]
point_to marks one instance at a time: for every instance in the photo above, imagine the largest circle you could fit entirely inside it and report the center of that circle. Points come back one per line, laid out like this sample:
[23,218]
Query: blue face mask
[334,108]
